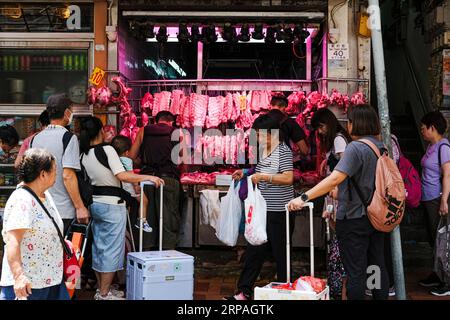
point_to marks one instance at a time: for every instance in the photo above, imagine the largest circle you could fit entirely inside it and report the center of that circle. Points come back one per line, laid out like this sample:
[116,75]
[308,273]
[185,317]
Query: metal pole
[383,109]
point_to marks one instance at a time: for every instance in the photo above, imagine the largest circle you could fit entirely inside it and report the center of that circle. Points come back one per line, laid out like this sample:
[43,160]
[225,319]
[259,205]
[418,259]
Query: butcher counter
[193,233]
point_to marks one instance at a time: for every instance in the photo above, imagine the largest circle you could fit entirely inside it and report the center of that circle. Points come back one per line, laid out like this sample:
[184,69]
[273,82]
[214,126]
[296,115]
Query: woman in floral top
[33,259]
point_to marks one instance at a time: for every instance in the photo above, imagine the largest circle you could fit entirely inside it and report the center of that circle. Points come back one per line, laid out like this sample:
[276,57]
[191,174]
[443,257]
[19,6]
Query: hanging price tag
[338,51]
[97,76]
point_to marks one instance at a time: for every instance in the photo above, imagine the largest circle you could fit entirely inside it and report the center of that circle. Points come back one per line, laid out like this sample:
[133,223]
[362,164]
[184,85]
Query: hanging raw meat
[186,115]
[147,103]
[121,98]
[245,120]
[266,97]
[358,98]
[104,95]
[199,104]
[215,107]
[227,108]
[295,100]
[144,119]
[236,110]
[92,95]
[161,102]
[175,103]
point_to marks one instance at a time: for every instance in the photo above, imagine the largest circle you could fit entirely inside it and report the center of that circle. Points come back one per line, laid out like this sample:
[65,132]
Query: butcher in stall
[153,146]
[294,136]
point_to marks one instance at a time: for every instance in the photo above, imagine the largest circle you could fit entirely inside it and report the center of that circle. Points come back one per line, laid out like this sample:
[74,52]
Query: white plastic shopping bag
[255,215]
[227,228]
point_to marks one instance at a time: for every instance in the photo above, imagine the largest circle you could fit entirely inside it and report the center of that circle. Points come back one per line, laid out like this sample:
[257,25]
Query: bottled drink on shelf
[16,63]
[22,63]
[5,63]
[76,62]
[27,62]
[1,63]
[58,62]
[70,63]
[65,62]
[82,62]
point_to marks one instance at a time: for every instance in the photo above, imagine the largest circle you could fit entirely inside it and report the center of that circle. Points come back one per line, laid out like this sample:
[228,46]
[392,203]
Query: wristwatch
[304,197]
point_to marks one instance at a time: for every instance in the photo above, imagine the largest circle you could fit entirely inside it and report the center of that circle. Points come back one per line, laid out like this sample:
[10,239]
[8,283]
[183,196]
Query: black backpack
[84,181]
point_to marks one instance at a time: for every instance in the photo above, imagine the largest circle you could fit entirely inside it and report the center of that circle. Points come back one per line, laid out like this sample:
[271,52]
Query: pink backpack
[411,179]
[387,207]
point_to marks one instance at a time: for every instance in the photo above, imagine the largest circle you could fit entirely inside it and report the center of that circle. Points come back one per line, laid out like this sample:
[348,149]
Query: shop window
[31,76]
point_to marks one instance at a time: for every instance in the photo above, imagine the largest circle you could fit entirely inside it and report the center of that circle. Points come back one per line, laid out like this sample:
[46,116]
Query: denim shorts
[58,292]
[108,233]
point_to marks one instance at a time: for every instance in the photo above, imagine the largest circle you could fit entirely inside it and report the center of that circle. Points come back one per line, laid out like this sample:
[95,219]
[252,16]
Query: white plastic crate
[160,275]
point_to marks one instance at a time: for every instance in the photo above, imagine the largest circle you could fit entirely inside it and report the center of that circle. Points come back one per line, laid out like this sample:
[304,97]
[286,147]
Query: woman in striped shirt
[274,177]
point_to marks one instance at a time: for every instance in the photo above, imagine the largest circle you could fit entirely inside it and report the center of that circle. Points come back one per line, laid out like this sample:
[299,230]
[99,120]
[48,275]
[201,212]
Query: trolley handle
[310,205]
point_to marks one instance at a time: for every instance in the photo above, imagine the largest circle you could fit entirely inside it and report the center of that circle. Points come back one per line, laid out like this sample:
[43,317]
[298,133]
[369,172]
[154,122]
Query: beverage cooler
[31,71]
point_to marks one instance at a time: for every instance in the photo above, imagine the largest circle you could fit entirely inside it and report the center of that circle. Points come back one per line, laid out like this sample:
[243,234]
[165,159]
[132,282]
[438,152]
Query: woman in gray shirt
[360,244]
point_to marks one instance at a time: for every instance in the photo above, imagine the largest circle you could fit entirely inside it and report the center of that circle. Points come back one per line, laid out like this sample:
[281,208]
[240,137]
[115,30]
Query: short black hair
[9,135]
[121,144]
[269,121]
[164,116]
[279,101]
[34,162]
[43,119]
[364,120]
[57,104]
[435,119]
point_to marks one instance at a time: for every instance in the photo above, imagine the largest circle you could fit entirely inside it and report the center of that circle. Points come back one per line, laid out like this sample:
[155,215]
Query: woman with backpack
[360,244]
[435,185]
[108,211]
[333,141]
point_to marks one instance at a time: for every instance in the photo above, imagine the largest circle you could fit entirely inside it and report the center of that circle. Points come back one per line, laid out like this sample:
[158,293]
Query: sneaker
[109,296]
[240,296]
[145,226]
[432,281]
[114,291]
[392,291]
[441,291]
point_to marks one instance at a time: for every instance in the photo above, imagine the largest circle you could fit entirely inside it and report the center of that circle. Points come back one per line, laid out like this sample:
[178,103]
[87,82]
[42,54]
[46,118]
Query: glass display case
[30,76]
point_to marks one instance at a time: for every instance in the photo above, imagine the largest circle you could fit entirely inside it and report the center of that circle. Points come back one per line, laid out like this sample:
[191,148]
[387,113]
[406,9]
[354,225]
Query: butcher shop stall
[217,72]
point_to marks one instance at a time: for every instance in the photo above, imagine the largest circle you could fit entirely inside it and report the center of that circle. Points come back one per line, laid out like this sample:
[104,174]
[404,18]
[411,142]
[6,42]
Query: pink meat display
[199,105]
[144,119]
[358,98]
[185,112]
[147,103]
[121,98]
[295,99]
[227,108]
[92,95]
[245,120]
[175,103]
[215,107]
[104,95]
[161,102]
[236,109]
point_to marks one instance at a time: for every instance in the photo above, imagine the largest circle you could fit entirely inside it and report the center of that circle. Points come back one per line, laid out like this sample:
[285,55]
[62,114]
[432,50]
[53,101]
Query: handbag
[442,250]
[71,267]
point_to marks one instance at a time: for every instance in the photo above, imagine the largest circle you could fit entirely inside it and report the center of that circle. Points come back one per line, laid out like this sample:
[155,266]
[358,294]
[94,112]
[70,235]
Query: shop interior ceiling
[242,5]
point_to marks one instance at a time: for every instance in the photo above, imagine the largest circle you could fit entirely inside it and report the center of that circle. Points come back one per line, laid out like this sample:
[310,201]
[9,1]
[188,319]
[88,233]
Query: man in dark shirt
[292,132]
[153,145]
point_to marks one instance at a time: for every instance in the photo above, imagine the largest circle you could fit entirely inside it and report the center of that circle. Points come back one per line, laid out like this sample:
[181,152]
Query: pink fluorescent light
[172,32]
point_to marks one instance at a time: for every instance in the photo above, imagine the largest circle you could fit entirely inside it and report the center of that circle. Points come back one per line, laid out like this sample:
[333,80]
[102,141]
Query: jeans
[361,246]
[58,292]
